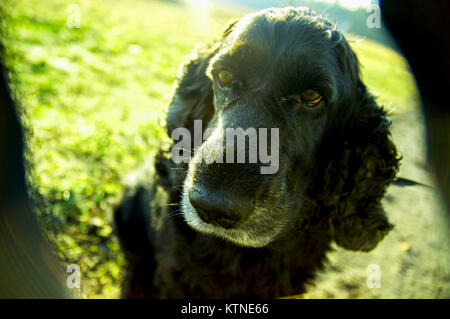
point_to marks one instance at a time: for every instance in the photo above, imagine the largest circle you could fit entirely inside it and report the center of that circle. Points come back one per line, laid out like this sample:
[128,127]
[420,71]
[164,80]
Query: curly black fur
[336,161]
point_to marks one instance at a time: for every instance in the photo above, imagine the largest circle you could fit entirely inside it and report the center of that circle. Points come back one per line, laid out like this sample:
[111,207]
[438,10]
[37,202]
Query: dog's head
[289,82]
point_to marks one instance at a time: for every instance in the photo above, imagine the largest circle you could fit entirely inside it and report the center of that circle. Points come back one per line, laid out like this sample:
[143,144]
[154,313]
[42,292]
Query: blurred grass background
[93,100]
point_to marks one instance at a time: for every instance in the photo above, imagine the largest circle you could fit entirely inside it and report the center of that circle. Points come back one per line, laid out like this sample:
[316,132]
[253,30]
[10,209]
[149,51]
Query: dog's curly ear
[368,164]
[364,161]
[193,97]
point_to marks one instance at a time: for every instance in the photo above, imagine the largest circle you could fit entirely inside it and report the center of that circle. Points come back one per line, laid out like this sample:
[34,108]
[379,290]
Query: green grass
[387,75]
[93,102]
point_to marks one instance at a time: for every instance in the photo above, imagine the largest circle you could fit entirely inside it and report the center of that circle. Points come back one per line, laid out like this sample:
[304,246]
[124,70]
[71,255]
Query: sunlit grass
[93,99]
[387,74]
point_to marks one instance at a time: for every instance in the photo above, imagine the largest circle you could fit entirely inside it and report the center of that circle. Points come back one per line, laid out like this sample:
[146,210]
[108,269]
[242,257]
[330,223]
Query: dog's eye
[225,78]
[310,98]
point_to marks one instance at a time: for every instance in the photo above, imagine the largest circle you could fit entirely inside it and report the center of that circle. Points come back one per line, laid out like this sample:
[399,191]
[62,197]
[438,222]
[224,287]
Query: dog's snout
[219,209]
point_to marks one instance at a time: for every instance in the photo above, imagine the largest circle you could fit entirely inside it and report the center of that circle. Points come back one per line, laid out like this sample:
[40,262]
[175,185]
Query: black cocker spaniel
[224,230]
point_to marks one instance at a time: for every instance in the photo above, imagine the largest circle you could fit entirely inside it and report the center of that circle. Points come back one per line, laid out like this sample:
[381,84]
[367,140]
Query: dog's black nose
[219,209]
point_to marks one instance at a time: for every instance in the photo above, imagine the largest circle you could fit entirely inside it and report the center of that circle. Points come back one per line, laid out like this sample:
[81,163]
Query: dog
[198,229]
